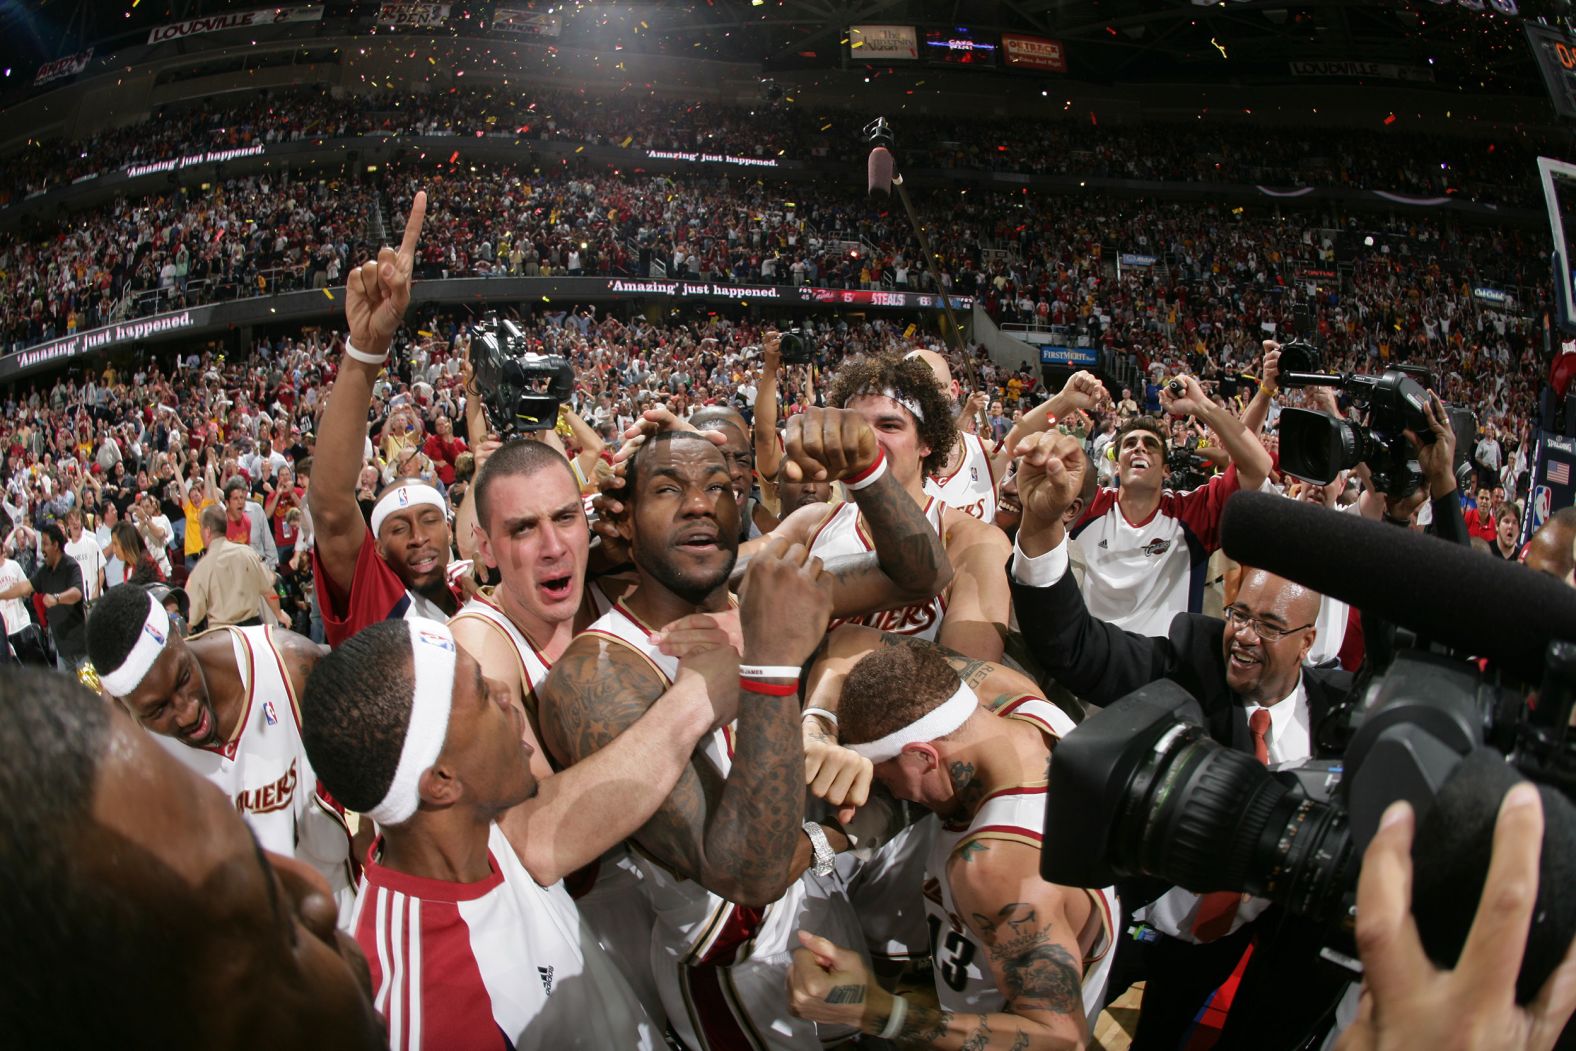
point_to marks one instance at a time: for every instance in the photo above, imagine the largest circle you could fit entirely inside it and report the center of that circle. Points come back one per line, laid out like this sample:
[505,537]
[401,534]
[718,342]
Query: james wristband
[769,689]
[769,671]
[895,1019]
[362,356]
[869,476]
[820,713]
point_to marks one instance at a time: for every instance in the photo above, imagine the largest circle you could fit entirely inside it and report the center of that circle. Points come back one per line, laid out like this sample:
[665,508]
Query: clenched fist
[824,445]
[785,602]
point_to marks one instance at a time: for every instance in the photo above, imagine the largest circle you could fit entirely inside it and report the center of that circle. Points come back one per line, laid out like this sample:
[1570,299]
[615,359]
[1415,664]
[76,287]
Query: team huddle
[694,770]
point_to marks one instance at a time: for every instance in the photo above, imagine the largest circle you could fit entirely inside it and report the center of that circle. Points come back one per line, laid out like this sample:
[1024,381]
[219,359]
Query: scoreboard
[1556,55]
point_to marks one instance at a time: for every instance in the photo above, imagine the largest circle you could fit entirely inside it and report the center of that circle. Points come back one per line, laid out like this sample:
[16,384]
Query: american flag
[1559,472]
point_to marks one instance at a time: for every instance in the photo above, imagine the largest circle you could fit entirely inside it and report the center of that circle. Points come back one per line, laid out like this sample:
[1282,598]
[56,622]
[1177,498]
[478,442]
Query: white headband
[150,643]
[432,656]
[888,392]
[411,494]
[938,722]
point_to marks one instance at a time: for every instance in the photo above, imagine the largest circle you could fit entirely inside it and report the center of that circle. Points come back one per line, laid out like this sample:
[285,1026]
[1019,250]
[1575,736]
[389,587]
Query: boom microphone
[1451,594]
[880,168]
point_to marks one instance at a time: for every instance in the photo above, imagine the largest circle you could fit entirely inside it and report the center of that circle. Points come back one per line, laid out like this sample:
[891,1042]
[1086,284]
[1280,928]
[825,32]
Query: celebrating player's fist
[1050,474]
[785,602]
[824,445]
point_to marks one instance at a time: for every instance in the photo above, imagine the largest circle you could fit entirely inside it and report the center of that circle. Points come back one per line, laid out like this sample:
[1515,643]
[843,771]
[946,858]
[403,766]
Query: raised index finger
[418,215]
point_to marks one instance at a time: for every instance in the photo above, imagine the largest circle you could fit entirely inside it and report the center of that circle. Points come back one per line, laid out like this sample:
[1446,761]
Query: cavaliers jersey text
[843,532]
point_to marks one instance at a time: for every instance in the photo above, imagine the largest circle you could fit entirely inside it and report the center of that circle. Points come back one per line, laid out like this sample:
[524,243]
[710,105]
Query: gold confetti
[327,293]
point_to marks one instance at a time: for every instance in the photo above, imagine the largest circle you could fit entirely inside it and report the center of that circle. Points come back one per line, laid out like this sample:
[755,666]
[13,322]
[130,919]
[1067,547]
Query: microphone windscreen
[1485,606]
[879,169]
[1450,858]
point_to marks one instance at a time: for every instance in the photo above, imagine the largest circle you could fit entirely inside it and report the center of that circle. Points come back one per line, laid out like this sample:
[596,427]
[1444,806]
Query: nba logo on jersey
[434,639]
[154,633]
[268,713]
[974,473]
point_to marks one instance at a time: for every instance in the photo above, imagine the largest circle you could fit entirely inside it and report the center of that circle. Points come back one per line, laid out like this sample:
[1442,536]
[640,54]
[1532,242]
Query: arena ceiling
[1458,45]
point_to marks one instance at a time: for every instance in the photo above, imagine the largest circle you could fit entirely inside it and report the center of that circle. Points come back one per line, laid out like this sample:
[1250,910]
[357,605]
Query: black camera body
[522,390]
[1140,789]
[1316,446]
[795,348]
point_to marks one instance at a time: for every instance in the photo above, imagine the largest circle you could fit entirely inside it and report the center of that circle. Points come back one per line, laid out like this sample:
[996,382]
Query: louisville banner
[239,20]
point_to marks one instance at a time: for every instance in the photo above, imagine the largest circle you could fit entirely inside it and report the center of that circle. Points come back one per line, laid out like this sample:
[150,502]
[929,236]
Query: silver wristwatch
[824,855]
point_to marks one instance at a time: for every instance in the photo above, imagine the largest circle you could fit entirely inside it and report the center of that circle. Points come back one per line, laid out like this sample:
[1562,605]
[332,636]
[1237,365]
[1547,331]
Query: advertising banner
[881,43]
[240,20]
[102,338]
[409,14]
[69,66]
[531,23]
[1552,486]
[1033,52]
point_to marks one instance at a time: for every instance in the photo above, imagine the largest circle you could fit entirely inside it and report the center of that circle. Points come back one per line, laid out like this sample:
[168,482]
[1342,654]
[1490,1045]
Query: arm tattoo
[845,994]
[1038,973]
[909,548]
[922,1027]
[735,837]
[969,851]
[979,1039]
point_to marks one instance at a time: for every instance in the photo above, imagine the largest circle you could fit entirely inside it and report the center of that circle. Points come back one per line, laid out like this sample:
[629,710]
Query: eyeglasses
[1241,618]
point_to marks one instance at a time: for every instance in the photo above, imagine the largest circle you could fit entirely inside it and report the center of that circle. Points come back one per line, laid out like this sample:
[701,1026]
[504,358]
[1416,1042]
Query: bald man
[1552,549]
[1258,696]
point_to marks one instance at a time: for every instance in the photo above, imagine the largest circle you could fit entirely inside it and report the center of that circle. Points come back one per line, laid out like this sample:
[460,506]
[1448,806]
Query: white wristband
[768,671]
[869,476]
[895,1019]
[363,356]
[820,713]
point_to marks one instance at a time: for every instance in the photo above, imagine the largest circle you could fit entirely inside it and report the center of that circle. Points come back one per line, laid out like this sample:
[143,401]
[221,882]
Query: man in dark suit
[1248,675]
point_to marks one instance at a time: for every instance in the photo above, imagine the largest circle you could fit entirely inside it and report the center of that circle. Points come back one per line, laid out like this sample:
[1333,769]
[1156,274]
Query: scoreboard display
[1556,55]
[961,46]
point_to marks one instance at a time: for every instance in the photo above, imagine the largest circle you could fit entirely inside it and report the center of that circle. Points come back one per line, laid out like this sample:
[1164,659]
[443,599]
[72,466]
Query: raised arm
[909,563]
[768,454]
[590,442]
[1082,391]
[1246,451]
[376,295]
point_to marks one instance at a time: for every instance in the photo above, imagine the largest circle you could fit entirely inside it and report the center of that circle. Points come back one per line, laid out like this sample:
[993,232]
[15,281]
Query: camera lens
[1205,817]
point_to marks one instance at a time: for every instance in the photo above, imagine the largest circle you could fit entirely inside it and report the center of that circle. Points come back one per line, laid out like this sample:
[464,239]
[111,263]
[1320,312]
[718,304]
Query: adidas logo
[1104,545]
[546,974]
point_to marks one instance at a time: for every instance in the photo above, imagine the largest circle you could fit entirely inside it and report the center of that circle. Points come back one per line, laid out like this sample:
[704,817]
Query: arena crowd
[714,709]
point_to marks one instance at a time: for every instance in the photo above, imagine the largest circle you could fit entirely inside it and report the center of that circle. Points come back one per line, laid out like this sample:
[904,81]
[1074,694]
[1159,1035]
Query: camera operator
[1140,575]
[1248,673]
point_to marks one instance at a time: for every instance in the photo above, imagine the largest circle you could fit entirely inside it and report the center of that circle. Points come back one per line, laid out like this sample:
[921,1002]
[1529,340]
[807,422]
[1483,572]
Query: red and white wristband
[869,476]
[753,678]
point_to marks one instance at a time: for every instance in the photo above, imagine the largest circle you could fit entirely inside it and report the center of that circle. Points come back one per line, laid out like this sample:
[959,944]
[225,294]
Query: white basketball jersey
[843,532]
[534,667]
[722,968]
[607,891]
[263,769]
[972,487]
[501,963]
[963,982]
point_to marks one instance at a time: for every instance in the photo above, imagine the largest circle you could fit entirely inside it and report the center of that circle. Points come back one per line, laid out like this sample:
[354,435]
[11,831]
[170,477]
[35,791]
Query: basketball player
[472,939]
[901,402]
[724,856]
[970,479]
[1018,962]
[398,567]
[142,912]
[225,704]
[531,528]
[754,518]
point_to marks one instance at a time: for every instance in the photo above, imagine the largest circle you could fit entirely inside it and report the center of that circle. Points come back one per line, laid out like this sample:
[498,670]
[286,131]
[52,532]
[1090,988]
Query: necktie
[1217,910]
